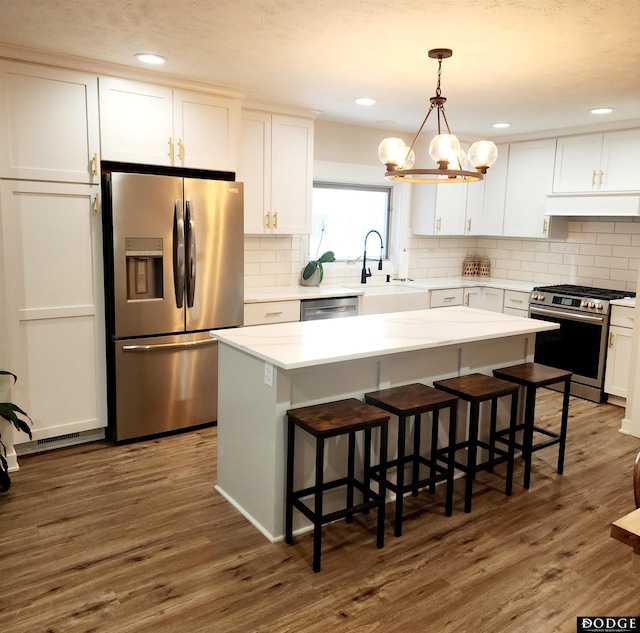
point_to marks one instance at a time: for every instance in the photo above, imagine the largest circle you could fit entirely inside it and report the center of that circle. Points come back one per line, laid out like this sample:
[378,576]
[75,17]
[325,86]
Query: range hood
[593,204]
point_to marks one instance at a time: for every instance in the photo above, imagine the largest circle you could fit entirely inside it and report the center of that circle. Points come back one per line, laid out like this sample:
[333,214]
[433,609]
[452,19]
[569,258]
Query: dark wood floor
[134,538]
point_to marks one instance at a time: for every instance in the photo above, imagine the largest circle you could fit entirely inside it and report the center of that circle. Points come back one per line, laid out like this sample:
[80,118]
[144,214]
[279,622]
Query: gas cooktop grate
[586,291]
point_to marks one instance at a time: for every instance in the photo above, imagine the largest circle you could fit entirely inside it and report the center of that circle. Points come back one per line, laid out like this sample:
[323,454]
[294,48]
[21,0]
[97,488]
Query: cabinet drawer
[521,313]
[514,300]
[622,316]
[446,297]
[271,312]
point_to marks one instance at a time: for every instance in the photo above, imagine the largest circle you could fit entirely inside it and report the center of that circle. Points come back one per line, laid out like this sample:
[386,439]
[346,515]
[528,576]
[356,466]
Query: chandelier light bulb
[444,149]
[394,152]
[483,154]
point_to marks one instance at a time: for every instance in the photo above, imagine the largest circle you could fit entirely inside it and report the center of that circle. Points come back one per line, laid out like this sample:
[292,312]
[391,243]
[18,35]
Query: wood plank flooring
[134,538]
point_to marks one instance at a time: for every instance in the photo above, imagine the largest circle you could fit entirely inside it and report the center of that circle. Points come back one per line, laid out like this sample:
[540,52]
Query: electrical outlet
[268,374]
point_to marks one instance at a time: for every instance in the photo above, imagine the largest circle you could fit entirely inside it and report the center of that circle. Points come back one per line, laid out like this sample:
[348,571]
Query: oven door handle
[586,318]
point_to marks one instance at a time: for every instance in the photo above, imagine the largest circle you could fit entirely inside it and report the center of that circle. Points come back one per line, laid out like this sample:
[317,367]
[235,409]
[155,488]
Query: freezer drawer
[164,383]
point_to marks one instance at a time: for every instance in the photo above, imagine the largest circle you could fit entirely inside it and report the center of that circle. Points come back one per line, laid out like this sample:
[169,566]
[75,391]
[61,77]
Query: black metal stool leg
[513,421]
[288,528]
[453,415]
[527,435]
[472,453]
[402,424]
[317,521]
[563,425]
[382,489]
[366,478]
[435,422]
[351,472]
[492,432]
[417,425]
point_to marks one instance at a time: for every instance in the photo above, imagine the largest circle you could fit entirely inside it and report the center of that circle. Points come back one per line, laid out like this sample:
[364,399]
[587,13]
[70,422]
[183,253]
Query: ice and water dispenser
[144,268]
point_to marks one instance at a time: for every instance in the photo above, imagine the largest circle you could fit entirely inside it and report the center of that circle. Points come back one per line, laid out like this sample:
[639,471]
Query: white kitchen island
[265,370]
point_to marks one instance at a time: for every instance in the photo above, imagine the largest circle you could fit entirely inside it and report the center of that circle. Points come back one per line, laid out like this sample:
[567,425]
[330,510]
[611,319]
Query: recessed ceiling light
[150,58]
[501,125]
[365,101]
[601,110]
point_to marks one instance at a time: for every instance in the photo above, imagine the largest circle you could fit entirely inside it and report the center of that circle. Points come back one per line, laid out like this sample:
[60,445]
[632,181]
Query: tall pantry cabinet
[52,313]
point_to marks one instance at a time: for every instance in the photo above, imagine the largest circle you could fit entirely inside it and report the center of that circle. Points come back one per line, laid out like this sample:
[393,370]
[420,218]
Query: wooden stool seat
[331,419]
[475,389]
[414,400]
[531,376]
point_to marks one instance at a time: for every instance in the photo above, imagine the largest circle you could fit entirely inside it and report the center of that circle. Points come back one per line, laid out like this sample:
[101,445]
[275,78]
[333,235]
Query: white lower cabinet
[271,312]
[54,307]
[446,297]
[616,378]
[516,303]
[484,298]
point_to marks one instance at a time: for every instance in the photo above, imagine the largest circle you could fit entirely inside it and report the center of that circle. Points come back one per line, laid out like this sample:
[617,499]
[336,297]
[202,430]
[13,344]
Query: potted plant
[313,272]
[14,415]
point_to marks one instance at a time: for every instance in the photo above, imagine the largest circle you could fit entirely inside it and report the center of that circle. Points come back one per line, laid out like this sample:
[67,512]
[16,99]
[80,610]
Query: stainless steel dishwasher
[330,308]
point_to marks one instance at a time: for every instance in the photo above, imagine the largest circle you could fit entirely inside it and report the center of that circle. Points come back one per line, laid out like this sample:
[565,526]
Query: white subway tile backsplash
[595,253]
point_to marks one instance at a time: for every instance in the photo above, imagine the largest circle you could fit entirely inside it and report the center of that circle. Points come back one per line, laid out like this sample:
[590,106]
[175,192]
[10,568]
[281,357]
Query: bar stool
[476,389]
[326,420]
[531,376]
[413,400]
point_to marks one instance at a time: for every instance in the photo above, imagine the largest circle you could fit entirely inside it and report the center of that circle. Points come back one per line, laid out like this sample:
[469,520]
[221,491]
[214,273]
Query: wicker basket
[470,266]
[484,269]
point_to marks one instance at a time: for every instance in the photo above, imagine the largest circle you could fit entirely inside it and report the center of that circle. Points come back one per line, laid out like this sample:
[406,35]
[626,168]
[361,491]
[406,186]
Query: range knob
[584,304]
[540,297]
[599,306]
[592,304]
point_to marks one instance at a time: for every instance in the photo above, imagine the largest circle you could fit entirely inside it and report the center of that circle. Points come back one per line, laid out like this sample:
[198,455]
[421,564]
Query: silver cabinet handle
[169,346]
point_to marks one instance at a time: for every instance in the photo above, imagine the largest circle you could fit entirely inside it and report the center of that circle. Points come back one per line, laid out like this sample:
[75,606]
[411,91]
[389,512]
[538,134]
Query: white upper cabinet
[49,124]
[155,125]
[276,166]
[598,163]
[438,209]
[529,180]
[475,208]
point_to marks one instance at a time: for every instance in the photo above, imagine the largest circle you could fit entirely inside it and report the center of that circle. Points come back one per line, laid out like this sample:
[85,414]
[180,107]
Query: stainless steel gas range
[580,345]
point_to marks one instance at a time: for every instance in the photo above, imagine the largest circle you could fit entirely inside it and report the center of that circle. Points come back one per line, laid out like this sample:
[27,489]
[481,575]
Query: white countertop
[630,302]
[295,293]
[307,343]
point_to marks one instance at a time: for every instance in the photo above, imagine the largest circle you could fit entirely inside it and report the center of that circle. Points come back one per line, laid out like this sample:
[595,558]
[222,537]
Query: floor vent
[59,441]
[58,438]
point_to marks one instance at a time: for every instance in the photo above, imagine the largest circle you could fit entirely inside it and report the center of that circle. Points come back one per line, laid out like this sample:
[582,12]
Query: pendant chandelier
[453,164]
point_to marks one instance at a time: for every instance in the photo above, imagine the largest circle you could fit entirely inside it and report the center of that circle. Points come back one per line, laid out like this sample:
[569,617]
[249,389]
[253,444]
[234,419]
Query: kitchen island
[267,369]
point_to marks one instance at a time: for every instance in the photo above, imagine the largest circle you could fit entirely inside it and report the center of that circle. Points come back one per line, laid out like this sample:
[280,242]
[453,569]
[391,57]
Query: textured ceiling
[539,64]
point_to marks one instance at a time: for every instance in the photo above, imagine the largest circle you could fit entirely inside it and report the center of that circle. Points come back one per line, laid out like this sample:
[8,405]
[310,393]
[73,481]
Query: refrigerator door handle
[163,347]
[178,253]
[191,254]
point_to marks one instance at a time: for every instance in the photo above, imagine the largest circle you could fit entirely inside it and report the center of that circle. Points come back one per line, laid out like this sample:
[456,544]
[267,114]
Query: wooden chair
[627,529]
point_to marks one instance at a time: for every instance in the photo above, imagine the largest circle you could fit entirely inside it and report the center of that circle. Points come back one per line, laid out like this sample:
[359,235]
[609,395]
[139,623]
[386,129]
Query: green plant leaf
[327,257]
[309,269]
[9,412]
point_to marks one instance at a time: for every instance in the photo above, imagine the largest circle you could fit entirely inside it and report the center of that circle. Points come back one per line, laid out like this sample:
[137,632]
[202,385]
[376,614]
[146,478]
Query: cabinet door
[451,202]
[291,174]
[473,297]
[620,160]
[55,307]
[254,169]
[492,299]
[205,130]
[49,124]
[474,208]
[577,163]
[423,209]
[136,122]
[495,190]
[530,177]
[616,378]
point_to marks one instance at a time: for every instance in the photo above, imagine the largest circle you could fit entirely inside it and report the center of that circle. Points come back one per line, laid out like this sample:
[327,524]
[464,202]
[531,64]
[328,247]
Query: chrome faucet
[366,272]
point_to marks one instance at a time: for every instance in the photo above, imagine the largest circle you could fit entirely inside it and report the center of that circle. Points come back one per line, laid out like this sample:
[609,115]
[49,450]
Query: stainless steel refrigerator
[174,271]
